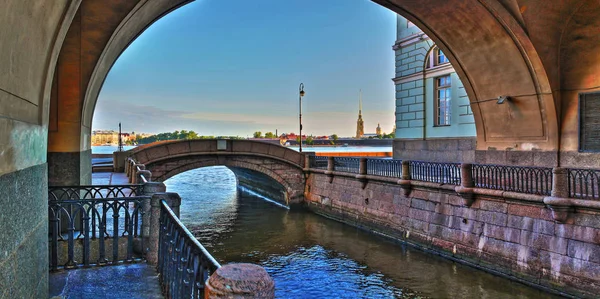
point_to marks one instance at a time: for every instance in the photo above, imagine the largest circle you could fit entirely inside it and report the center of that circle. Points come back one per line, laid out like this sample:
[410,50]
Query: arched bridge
[166,159]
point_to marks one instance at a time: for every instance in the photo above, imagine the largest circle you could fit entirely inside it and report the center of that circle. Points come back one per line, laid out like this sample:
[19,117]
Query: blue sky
[233,67]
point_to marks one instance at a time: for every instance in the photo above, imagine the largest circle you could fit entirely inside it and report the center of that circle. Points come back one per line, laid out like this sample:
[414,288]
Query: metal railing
[532,180]
[384,167]
[93,191]
[87,223]
[345,164]
[318,162]
[184,264]
[584,183]
[435,172]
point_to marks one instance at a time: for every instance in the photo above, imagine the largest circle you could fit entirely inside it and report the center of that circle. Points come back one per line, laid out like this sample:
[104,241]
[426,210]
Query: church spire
[360,102]
[360,127]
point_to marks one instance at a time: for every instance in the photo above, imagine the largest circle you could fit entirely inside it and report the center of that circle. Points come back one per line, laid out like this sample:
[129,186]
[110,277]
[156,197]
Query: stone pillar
[362,166]
[404,182]
[149,189]
[240,281]
[466,175]
[465,190]
[119,160]
[174,201]
[146,173]
[330,164]
[560,182]
[559,201]
[406,170]
[134,171]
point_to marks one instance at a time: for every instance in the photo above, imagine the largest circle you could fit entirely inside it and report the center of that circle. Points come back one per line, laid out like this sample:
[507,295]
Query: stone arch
[144,14]
[283,165]
[493,56]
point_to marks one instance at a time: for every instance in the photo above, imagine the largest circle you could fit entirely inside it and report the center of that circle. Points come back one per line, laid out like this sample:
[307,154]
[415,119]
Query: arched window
[435,58]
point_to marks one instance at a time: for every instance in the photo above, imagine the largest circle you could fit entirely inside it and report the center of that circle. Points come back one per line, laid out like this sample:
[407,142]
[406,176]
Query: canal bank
[310,256]
[506,236]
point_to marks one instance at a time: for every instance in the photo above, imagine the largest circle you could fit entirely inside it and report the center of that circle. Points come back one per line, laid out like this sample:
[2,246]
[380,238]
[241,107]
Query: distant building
[378,130]
[431,102]
[360,126]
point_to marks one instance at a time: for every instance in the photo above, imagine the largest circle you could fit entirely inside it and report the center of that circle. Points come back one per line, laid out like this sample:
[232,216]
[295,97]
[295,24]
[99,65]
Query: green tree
[270,135]
[335,137]
[258,134]
[310,140]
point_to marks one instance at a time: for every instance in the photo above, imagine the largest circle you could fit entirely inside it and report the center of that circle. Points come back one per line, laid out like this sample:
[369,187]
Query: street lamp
[301,92]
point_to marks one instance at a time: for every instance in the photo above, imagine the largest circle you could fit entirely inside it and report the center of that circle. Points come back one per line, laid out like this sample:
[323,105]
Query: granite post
[240,281]
[173,200]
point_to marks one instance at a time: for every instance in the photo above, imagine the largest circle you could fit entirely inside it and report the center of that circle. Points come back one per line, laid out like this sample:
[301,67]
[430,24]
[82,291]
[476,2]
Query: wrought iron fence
[318,162]
[584,183]
[435,172]
[184,264]
[345,164]
[532,180]
[83,228]
[93,191]
[384,167]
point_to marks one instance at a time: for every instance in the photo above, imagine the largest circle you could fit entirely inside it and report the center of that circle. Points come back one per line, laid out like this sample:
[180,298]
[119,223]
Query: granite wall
[24,226]
[436,150]
[512,237]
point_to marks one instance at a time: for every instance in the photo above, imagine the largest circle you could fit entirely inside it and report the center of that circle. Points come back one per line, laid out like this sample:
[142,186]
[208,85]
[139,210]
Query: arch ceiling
[523,49]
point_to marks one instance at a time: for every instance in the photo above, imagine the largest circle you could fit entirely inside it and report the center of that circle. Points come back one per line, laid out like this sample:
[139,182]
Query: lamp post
[301,92]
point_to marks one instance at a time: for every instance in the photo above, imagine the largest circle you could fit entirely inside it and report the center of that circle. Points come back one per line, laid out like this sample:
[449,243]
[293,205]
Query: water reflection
[312,257]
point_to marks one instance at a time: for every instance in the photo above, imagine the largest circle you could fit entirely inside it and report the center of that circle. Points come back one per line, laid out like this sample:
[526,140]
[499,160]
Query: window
[436,58]
[440,58]
[442,100]
[589,122]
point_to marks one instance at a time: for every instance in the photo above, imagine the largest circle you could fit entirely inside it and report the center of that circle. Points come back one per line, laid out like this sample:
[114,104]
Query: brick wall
[512,237]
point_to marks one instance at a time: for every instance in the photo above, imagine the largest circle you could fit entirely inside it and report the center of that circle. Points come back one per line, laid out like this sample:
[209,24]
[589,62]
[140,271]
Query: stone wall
[512,237]
[436,150]
[24,225]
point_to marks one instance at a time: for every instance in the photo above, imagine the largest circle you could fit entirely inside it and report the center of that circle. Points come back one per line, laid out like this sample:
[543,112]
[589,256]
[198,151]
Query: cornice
[409,40]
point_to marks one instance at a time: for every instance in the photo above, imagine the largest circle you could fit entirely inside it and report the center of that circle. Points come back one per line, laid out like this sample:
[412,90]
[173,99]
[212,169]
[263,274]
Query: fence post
[240,281]
[362,172]
[133,174]
[149,189]
[465,190]
[559,201]
[330,163]
[330,168]
[174,201]
[404,182]
[146,173]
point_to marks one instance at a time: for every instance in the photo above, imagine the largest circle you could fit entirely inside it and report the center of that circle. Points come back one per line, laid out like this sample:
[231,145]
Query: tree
[310,140]
[335,137]
[270,135]
[258,134]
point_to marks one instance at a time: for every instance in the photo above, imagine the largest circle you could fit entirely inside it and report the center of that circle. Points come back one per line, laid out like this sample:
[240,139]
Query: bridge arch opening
[262,183]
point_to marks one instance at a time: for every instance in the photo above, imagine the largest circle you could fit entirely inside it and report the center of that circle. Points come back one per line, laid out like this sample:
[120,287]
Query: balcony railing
[584,183]
[345,164]
[95,231]
[384,167]
[184,264]
[532,180]
[435,172]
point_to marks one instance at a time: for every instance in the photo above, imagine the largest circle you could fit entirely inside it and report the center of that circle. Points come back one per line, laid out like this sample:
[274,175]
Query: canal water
[310,256]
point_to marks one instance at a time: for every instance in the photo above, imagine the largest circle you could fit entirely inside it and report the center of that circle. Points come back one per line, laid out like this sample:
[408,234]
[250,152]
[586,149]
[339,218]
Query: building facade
[434,121]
